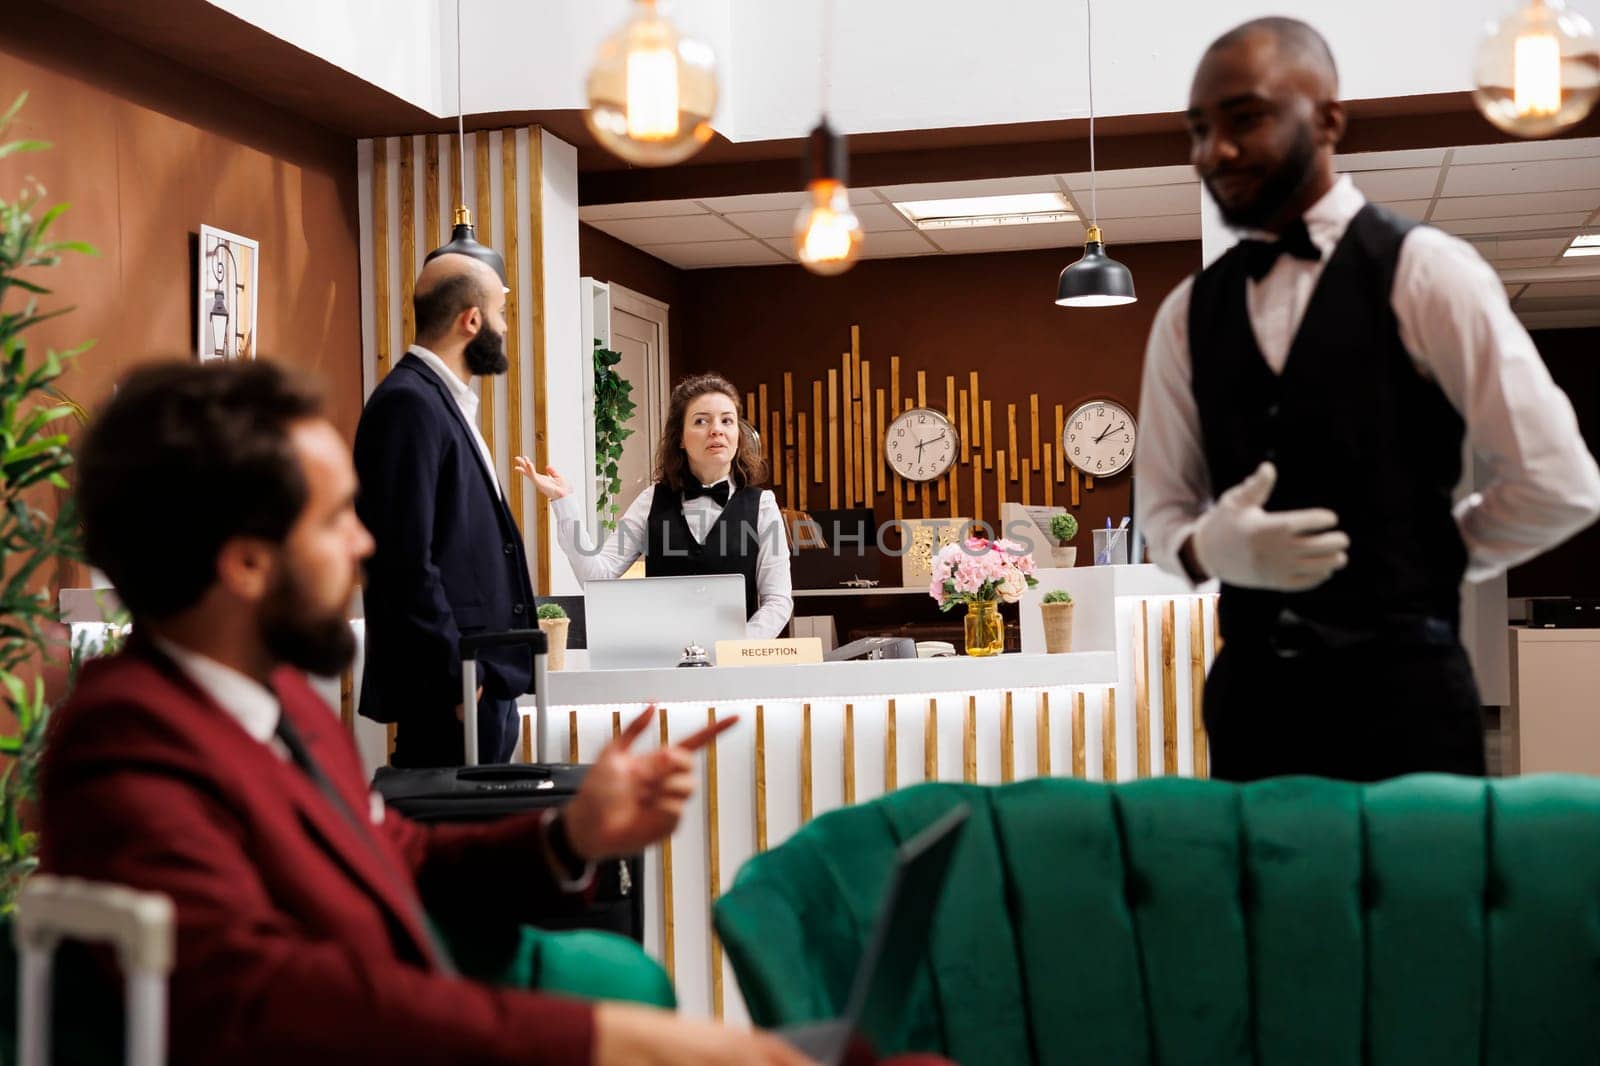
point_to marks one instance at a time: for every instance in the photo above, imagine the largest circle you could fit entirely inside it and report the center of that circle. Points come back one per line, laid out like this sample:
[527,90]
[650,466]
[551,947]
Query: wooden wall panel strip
[877,441]
[1169,689]
[408,241]
[776,431]
[526,729]
[1049,476]
[927,506]
[977,408]
[1061,456]
[788,445]
[849,754]
[751,410]
[515,397]
[977,490]
[572,737]
[871,434]
[380,254]
[616,725]
[1080,760]
[988,436]
[430,191]
[1141,689]
[1033,429]
[833,438]
[1027,483]
[911,486]
[713,863]
[999,489]
[667,953]
[453,169]
[969,743]
[1197,686]
[855,409]
[954,477]
[922,388]
[1108,736]
[1088,483]
[816,431]
[891,755]
[804,478]
[805,764]
[930,742]
[1073,488]
[1011,437]
[761,778]
[769,447]
[1041,729]
[962,427]
[894,386]
[847,416]
[1008,740]
[488,416]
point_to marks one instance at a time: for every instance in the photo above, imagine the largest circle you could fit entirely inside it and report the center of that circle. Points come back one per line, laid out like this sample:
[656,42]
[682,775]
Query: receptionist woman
[706,513]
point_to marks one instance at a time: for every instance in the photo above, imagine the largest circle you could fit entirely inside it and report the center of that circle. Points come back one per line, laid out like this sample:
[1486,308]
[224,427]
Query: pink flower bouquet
[978,571]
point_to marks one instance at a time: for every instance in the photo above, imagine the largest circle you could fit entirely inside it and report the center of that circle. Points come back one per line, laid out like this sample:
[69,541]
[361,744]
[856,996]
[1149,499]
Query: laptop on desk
[894,950]
[645,623]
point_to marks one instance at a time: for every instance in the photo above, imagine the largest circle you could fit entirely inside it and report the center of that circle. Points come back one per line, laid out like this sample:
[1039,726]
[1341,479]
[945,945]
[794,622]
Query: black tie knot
[1295,241]
[718,492]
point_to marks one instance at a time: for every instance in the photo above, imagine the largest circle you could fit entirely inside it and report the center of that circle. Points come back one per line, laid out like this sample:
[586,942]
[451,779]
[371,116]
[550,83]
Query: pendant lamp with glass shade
[827,232]
[1538,70]
[463,237]
[1096,280]
[652,91]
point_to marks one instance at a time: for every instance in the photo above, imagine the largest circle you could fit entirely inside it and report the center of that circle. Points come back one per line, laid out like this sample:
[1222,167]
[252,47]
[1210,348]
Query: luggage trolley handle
[535,641]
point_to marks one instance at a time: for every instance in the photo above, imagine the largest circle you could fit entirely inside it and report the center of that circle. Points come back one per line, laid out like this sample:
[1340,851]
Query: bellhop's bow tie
[718,492]
[1295,241]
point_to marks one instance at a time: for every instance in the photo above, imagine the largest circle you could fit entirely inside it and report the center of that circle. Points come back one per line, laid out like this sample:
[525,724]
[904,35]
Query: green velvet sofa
[1426,921]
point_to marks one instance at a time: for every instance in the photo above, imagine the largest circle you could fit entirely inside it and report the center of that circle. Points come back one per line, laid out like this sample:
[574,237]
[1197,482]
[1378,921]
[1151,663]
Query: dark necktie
[718,492]
[1295,241]
[301,756]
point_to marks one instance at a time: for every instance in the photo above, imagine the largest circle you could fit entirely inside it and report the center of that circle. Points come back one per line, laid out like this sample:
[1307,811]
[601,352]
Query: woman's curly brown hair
[672,465]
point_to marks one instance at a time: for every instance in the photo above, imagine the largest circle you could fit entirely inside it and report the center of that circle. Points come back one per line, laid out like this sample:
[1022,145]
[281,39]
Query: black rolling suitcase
[475,793]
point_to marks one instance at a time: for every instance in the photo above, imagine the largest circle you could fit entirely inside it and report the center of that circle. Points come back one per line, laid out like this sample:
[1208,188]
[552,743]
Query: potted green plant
[554,621]
[1063,527]
[1056,608]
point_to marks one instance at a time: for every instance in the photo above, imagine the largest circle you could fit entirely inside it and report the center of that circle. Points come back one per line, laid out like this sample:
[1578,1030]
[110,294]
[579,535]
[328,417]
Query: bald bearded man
[1322,376]
[449,558]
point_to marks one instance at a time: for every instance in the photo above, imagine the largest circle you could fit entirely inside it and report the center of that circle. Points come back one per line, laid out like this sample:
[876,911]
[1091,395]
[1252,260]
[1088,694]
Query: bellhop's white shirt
[774,588]
[1459,330]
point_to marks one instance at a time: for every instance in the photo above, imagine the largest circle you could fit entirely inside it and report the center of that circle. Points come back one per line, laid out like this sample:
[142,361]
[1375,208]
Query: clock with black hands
[1099,438]
[920,444]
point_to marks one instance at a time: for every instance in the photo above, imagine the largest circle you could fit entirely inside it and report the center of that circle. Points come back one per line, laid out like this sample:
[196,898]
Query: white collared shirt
[1461,333]
[774,587]
[466,398]
[242,698]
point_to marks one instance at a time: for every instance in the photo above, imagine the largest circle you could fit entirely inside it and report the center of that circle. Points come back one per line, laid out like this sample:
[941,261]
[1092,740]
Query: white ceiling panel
[941,190]
[1386,185]
[670,230]
[1403,159]
[1007,238]
[715,254]
[878,217]
[892,243]
[1506,265]
[774,201]
[774,224]
[653,209]
[1151,230]
[1547,175]
[1121,179]
[1496,250]
[1412,209]
[1517,203]
[1588,289]
[1147,200]
[1513,223]
[1526,151]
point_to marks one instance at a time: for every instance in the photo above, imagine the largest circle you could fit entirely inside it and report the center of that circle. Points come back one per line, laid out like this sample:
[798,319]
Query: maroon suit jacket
[295,939]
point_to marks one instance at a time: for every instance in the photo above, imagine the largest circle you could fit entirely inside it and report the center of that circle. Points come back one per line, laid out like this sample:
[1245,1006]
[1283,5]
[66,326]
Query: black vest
[732,545]
[1350,424]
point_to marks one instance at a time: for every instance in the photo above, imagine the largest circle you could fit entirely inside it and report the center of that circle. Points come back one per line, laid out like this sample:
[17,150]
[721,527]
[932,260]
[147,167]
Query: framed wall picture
[230,270]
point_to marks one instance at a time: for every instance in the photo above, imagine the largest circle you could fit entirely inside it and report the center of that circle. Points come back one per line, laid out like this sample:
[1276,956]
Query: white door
[639,332]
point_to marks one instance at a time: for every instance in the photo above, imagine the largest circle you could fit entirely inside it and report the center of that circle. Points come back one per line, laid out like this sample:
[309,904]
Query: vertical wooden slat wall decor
[804,477]
[891,760]
[1088,483]
[977,409]
[1073,474]
[761,778]
[776,430]
[847,404]
[965,455]
[527,741]
[751,411]
[1080,762]
[1049,476]
[1027,482]
[894,386]
[855,407]
[911,486]
[1141,689]
[849,754]
[1033,428]
[877,442]
[788,438]
[380,253]
[430,191]
[1108,735]
[969,743]
[514,394]
[1008,768]
[713,863]
[805,764]
[572,736]
[977,489]
[930,742]
[447,224]
[816,430]
[833,438]
[1041,731]
[1169,689]
[540,356]
[1197,685]
[666,874]
[988,437]
[1011,437]
[999,487]
[769,447]
[1061,455]
[488,417]
[408,241]
[870,440]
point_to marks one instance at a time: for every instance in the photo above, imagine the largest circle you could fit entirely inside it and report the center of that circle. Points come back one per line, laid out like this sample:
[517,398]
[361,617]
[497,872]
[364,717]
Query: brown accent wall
[604,258]
[945,315]
[146,152]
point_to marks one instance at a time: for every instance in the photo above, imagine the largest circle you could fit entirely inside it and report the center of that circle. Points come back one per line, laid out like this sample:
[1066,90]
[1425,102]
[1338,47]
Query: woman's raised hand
[549,483]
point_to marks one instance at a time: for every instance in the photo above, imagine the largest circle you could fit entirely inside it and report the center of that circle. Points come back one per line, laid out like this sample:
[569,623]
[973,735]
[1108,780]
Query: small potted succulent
[1056,608]
[1063,527]
[554,621]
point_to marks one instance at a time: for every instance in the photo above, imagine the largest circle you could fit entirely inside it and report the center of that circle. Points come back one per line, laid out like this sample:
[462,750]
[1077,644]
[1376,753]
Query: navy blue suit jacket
[449,559]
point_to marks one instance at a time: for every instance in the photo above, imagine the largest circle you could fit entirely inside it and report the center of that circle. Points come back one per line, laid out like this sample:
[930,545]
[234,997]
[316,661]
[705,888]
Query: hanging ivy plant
[612,409]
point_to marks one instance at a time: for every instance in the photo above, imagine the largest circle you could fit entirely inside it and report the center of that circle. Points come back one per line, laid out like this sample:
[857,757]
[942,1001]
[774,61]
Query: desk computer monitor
[639,624]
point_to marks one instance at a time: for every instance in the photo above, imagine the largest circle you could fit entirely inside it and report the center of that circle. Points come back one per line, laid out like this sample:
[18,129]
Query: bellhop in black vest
[732,545]
[1363,676]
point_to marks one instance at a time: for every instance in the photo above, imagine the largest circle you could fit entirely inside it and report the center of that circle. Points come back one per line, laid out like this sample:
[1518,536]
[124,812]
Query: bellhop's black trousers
[1364,712]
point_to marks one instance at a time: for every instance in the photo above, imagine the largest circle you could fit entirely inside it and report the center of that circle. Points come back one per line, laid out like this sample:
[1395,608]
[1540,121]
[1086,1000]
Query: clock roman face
[1099,438]
[920,444]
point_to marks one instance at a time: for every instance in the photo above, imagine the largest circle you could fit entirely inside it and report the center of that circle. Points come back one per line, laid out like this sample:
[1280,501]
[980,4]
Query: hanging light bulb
[1538,70]
[651,90]
[827,233]
[463,237]
[1096,280]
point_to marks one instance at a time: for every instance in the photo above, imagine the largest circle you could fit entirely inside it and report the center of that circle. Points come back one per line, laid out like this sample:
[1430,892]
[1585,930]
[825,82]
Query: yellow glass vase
[986,631]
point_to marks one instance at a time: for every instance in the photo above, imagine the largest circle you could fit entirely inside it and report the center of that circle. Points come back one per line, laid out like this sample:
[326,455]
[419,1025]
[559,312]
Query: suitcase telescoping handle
[534,640]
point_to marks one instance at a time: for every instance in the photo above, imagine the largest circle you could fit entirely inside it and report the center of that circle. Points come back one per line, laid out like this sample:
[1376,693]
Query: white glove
[1249,547]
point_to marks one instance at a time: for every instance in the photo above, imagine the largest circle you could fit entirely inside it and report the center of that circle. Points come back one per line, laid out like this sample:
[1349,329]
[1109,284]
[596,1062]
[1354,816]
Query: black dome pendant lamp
[1096,280]
[463,237]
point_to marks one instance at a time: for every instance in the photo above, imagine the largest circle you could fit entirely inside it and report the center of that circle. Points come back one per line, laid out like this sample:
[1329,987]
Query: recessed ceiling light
[1021,209]
[1589,244]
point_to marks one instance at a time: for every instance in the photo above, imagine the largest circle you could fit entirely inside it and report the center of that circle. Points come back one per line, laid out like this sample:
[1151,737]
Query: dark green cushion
[1428,921]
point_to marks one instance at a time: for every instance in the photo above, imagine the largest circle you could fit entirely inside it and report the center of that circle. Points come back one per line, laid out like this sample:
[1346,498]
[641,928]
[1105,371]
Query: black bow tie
[718,492]
[1296,241]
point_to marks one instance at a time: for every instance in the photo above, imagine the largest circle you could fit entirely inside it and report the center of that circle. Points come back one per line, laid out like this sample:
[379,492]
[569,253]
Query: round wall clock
[1099,438]
[921,444]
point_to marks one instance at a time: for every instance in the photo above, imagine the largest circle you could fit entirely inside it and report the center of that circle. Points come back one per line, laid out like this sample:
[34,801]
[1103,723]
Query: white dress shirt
[242,698]
[1461,333]
[466,398]
[774,589]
